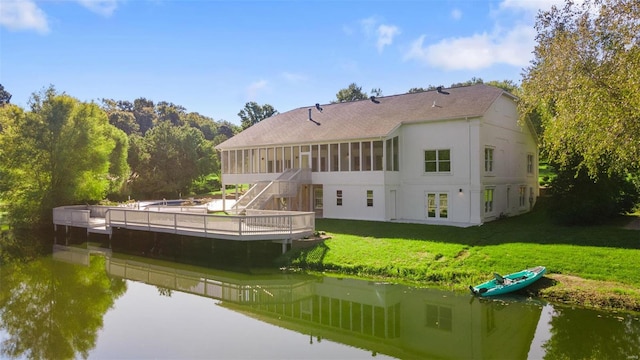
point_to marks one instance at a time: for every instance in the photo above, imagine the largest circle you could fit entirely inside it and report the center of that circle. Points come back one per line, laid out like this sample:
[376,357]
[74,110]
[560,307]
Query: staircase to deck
[261,193]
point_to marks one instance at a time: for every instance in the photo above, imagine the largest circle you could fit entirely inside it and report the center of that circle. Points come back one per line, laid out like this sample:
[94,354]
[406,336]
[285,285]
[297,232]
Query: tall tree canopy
[254,113]
[507,85]
[352,93]
[5,96]
[61,152]
[168,159]
[585,83]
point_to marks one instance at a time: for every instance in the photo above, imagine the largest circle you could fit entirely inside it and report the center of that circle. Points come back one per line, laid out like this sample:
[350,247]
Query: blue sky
[214,56]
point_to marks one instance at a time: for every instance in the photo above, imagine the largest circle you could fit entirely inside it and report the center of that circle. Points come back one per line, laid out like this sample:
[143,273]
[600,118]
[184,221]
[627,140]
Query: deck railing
[78,215]
[275,223]
[256,224]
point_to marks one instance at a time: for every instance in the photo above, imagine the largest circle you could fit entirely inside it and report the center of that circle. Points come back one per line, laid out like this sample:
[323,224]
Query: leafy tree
[167,160]
[59,153]
[144,112]
[352,93]
[254,113]
[124,121]
[506,85]
[125,106]
[580,199]
[206,125]
[170,112]
[120,115]
[584,81]
[5,96]
[228,129]
[10,116]
[118,164]
[419,90]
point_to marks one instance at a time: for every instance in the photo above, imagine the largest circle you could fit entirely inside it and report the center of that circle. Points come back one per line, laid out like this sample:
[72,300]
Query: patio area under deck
[280,226]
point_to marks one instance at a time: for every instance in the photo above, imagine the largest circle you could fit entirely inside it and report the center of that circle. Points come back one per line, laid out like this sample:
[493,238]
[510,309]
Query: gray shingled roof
[365,119]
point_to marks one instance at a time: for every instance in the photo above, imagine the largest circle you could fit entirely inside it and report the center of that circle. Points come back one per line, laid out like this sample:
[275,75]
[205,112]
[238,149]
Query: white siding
[354,186]
[512,143]
[454,135]
[401,195]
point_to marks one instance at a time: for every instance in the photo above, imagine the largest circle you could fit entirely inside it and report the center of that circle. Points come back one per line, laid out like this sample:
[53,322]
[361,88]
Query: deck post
[286,242]
[224,196]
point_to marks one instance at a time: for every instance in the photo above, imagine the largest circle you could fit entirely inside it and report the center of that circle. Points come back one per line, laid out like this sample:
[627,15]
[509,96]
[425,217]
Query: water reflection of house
[384,318]
[405,322]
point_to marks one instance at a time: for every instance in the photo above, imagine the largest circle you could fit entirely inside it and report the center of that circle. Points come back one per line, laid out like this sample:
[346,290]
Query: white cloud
[26,15]
[456,14]
[383,33]
[386,34]
[102,7]
[367,25]
[530,6]
[254,88]
[293,77]
[512,47]
[23,15]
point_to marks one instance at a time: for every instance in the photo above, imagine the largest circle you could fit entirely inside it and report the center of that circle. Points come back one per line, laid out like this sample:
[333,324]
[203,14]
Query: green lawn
[456,257]
[546,173]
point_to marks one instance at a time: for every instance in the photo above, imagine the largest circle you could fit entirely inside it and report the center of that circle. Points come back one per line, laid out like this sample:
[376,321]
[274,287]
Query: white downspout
[470,153]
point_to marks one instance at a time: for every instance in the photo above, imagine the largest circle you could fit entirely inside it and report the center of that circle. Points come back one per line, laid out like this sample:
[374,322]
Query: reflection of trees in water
[587,334]
[53,310]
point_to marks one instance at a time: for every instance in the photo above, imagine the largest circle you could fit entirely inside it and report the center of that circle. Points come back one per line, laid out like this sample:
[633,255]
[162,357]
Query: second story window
[437,161]
[488,160]
[529,163]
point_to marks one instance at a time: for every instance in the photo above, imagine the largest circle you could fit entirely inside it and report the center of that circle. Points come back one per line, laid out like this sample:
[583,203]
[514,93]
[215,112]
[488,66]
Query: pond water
[84,300]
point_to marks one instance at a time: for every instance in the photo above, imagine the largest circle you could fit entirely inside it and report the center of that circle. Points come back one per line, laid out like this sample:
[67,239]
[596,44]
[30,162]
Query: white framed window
[317,198]
[488,200]
[369,197]
[437,161]
[339,197]
[437,205]
[488,159]
[522,196]
[530,164]
[439,317]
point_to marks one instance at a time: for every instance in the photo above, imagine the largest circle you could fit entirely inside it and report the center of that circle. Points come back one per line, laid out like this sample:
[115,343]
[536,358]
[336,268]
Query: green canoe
[505,284]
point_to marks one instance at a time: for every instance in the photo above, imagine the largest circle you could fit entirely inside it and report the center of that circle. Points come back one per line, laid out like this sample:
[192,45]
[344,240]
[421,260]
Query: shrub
[579,199]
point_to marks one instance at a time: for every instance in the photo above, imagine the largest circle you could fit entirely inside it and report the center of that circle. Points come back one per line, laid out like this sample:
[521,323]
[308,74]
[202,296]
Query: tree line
[63,151]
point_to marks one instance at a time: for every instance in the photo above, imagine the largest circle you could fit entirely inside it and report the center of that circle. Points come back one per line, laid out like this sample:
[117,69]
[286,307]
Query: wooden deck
[191,221]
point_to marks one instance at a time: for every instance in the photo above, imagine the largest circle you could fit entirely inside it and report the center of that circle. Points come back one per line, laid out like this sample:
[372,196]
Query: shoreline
[558,288]
[555,288]
[594,294]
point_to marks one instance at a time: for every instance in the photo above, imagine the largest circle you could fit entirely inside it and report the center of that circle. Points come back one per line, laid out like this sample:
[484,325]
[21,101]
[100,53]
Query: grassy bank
[592,266]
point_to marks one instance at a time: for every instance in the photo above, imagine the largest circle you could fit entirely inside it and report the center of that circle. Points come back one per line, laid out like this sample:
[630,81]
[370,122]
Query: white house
[454,157]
